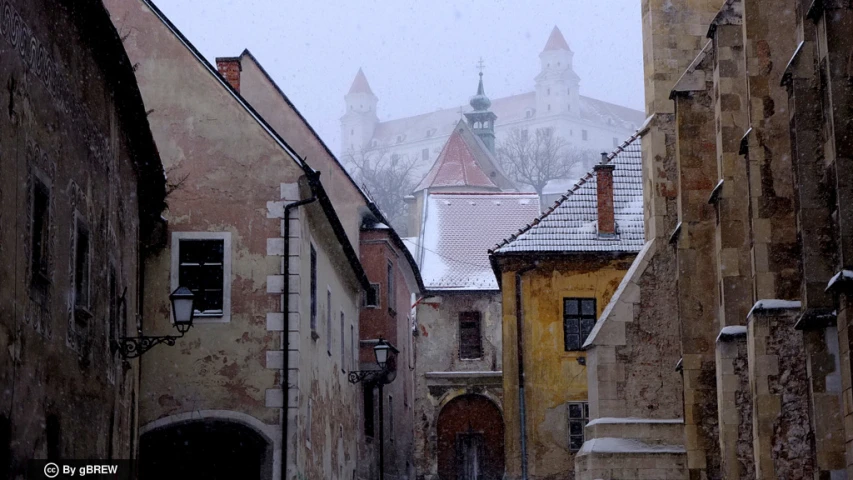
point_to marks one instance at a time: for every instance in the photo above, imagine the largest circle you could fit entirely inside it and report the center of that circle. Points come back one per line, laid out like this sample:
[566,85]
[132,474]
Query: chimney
[230,68]
[604,194]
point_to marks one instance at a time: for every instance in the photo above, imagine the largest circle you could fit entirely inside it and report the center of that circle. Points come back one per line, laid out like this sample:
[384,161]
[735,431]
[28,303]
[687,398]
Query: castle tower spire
[557,85]
[359,122]
[482,120]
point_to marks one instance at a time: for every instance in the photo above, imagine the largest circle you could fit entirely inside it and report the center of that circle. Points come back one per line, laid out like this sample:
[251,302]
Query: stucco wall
[553,376]
[437,350]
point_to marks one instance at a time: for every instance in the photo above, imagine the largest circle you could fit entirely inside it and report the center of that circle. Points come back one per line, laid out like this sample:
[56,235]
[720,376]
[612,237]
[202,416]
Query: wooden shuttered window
[470,337]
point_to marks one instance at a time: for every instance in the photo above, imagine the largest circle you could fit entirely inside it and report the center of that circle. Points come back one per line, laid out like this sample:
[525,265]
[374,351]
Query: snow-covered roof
[511,109]
[458,230]
[571,225]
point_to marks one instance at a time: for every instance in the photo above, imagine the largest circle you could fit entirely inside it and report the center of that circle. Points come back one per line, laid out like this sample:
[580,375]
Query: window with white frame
[201,261]
[578,418]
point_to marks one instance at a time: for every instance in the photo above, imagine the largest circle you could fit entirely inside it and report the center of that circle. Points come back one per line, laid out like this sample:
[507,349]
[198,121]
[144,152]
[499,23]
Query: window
[201,261]
[470,340]
[82,267]
[390,294]
[371,297]
[400,138]
[584,134]
[615,142]
[391,418]
[425,154]
[313,292]
[549,92]
[40,230]
[343,343]
[368,411]
[329,322]
[578,320]
[578,418]
[549,107]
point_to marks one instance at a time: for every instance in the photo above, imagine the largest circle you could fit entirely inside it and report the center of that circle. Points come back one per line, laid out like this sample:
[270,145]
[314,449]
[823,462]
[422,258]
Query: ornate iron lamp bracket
[369,376]
[132,347]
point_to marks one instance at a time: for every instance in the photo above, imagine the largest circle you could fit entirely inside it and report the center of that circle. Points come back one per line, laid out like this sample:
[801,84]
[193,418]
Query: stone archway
[470,439]
[209,448]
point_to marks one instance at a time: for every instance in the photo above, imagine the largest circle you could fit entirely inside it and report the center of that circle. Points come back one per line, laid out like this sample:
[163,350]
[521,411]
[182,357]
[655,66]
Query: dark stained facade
[81,185]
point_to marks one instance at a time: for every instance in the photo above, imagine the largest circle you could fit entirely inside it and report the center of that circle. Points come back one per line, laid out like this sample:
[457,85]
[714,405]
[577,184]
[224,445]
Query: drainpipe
[519,319]
[286,339]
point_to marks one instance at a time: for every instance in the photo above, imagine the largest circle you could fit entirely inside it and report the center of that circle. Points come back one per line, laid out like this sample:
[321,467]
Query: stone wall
[78,182]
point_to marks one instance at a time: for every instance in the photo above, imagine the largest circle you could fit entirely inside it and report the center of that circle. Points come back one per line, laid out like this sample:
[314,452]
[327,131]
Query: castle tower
[360,119]
[482,120]
[557,85]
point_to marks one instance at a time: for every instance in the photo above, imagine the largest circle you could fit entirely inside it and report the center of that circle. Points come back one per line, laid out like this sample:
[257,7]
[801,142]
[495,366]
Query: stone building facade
[753,121]
[258,388]
[81,185]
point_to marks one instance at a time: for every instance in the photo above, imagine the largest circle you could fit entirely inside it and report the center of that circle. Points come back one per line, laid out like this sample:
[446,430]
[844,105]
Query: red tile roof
[456,166]
[556,41]
[359,84]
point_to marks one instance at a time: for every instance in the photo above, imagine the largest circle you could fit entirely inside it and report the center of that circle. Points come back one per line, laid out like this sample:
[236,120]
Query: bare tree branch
[387,180]
[538,158]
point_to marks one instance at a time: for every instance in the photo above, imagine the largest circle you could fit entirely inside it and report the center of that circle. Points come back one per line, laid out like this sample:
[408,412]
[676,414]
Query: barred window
[578,320]
[470,339]
[578,418]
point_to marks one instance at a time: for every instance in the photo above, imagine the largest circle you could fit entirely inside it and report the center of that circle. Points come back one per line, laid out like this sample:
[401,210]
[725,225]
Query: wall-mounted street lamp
[183,311]
[386,358]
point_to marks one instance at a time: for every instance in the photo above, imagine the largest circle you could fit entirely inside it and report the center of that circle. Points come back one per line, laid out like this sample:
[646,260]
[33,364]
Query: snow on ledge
[732,331]
[842,276]
[629,420]
[774,304]
[627,445]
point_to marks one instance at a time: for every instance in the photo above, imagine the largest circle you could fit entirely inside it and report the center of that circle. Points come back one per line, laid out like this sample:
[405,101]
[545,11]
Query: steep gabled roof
[556,41]
[359,84]
[465,161]
[571,225]
[458,230]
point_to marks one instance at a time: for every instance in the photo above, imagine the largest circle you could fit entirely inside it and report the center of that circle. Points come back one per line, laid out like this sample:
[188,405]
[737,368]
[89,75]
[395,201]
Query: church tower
[482,120]
[557,84]
[359,122]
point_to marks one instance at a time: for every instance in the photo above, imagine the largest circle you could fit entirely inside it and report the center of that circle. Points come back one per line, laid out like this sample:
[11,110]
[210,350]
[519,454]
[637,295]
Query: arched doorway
[204,449]
[470,440]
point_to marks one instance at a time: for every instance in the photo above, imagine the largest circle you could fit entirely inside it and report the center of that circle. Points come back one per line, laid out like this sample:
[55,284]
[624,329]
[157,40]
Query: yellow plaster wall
[553,376]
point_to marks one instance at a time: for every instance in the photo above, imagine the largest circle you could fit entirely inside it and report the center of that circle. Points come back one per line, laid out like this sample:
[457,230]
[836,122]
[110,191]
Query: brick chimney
[230,68]
[604,194]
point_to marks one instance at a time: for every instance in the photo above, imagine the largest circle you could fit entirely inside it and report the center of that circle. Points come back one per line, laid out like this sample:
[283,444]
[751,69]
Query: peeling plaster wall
[282,116]
[553,376]
[56,367]
[437,350]
[237,180]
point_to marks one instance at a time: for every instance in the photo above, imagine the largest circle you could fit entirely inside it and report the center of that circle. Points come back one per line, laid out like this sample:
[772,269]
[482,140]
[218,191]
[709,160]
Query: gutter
[519,321]
[286,334]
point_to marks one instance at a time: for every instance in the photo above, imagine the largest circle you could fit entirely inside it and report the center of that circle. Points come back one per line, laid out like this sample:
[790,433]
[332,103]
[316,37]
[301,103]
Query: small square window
[371,297]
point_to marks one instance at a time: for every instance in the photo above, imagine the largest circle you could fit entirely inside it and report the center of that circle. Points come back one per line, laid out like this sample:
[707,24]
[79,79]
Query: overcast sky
[418,56]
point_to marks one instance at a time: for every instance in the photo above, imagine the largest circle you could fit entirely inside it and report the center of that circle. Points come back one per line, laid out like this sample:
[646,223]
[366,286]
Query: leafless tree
[386,178]
[538,158]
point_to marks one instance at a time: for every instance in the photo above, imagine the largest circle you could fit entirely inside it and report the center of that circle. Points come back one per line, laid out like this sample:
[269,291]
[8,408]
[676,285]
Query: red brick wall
[230,68]
[604,181]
